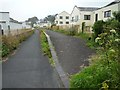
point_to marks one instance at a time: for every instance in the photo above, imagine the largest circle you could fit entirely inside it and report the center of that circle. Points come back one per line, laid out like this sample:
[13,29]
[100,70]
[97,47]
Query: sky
[21,10]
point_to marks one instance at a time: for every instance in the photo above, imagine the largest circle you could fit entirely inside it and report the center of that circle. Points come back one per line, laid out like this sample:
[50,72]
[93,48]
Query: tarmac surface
[29,68]
[72,52]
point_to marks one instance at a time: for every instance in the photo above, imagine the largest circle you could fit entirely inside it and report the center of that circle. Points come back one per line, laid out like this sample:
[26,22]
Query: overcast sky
[23,9]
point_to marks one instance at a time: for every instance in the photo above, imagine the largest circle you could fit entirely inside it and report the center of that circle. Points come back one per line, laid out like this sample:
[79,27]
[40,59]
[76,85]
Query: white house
[8,24]
[14,24]
[43,23]
[62,19]
[88,15]
[4,21]
[106,12]
[25,25]
[82,14]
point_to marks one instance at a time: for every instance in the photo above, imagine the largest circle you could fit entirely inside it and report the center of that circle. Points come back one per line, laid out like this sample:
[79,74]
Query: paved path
[72,52]
[28,68]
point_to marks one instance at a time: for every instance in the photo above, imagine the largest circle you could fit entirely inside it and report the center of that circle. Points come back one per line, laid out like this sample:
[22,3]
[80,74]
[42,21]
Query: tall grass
[11,42]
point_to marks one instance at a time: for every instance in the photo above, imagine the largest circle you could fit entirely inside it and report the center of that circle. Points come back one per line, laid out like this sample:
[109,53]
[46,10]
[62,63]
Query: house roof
[14,21]
[64,12]
[4,12]
[87,8]
[2,21]
[112,3]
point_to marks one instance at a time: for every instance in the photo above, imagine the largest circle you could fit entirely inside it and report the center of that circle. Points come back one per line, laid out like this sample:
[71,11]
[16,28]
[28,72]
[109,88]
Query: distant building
[82,14]
[8,24]
[26,25]
[45,24]
[87,15]
[4,22]
[62,19]
[14,24]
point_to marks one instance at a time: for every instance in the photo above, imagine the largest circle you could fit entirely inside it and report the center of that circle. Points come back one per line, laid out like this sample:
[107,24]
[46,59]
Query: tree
[32,20]
[50,18]
[98,28]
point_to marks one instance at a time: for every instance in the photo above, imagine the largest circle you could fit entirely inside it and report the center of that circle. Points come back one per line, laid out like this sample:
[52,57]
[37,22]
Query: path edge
[64,78]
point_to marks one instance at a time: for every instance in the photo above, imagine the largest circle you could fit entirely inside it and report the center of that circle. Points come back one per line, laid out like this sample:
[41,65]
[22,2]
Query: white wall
[80,14]
[64,20]
[101,11]
[15,26]
[74,14]
[25,25]
[4,17]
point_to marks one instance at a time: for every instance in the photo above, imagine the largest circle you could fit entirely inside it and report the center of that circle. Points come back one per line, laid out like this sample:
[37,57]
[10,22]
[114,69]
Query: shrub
[98,28]
[97,75]
[5,50]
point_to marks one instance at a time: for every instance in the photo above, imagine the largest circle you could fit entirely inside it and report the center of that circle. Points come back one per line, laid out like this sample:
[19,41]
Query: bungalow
[8,24]
[25,25]
[43,23]
[62,19]
[80,15]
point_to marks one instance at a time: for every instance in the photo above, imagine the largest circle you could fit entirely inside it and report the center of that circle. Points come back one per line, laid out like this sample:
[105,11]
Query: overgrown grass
[45,47]
[102,74]
[11,42]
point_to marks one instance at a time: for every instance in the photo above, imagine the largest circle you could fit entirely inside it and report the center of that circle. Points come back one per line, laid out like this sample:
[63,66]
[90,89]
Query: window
[76,18]
[67,22]
[61,22]
[86,17]
[61,17]
[56,22]
[67,17]
[72,19]
[107,14]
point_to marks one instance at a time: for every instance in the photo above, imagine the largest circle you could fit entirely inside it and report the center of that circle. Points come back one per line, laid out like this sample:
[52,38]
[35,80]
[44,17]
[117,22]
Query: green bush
[96,75]
[5,50]
[98,28]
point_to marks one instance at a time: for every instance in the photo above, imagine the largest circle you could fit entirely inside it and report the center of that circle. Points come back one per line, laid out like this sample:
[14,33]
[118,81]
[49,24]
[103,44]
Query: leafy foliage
[50,18]
[97,75]
[33,20]
[98,28]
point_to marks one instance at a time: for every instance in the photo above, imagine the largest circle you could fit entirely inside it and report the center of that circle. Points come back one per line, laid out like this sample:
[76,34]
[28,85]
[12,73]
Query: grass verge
[45,47]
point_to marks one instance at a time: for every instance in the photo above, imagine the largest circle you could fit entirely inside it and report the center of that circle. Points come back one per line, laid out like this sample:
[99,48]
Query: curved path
[28,68]
[72,52]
